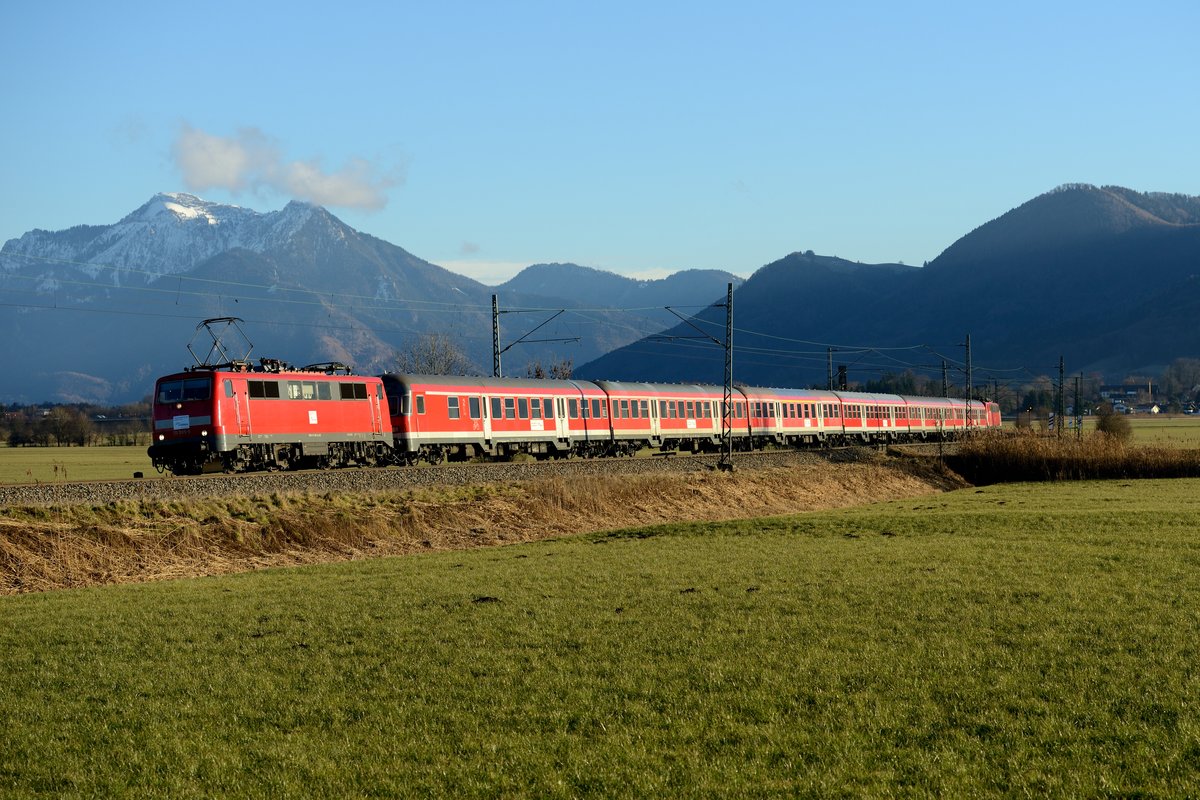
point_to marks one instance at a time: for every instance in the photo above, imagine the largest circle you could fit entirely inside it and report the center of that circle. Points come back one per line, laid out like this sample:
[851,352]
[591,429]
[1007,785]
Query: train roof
[479,382]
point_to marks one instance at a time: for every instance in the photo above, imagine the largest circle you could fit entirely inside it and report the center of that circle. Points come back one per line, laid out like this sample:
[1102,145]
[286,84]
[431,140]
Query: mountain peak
[184,208]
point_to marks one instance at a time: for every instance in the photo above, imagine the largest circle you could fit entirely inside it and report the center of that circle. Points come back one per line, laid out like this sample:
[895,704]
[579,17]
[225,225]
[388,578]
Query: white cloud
[251,161]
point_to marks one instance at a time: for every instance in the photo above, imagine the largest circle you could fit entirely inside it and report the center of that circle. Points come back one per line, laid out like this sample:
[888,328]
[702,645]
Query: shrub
[1112,424]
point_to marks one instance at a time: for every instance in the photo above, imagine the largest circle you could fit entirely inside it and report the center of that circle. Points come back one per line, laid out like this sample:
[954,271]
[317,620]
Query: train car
[438,417]
[668,416]
[793,417]
[268,416]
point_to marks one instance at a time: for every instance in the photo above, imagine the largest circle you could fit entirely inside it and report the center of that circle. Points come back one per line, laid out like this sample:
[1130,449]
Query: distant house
[1121,391]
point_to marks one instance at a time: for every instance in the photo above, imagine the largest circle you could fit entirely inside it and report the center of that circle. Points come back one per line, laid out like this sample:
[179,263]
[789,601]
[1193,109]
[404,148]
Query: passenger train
[269,416]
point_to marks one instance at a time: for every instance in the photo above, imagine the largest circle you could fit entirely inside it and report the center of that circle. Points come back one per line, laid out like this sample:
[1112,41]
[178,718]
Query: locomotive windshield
[184,390]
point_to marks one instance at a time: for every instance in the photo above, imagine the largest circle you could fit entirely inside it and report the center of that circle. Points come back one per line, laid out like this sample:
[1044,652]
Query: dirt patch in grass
[73,546]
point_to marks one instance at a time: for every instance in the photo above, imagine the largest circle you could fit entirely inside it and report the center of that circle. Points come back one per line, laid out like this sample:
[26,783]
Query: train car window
[196,389]
[535,408]
[393,405]
[624,410]
[523,407]
[346,391]
[406,406]
[573,408]
[170,391]
[255,389]
[452,407]
[633,408]
[497,408]
[308,390]
[689,409]
[597,409]
[510,408]
[324,391]
[293,390]
[473,407]
[420,404]
[547,408]
[583,408]
[645,408]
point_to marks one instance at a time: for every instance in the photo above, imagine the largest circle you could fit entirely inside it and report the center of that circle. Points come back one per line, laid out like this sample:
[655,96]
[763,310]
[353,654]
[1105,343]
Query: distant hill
[1104,276]
[96,312]
[578,285]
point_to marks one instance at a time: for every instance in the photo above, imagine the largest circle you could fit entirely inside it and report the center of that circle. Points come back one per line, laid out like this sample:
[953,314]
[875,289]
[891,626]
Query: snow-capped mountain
[170,234]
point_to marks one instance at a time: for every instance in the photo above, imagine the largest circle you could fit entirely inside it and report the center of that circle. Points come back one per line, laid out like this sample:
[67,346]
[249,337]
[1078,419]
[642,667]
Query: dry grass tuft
[1003,457]
[73,546]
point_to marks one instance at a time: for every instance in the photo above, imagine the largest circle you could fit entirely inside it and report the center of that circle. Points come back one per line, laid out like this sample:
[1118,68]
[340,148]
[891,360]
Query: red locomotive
[269,416]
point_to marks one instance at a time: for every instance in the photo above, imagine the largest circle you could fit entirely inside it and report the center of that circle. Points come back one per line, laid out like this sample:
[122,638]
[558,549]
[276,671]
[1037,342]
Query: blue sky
[642,138]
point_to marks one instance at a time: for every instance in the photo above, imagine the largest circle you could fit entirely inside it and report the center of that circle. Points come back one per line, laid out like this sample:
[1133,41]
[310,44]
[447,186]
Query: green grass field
[61,464]
[1019,640]
[1156,430]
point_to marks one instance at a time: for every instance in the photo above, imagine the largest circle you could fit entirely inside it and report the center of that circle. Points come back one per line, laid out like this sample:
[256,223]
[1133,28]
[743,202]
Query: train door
[235,390]
[562,428]
[654,426]
[377,406]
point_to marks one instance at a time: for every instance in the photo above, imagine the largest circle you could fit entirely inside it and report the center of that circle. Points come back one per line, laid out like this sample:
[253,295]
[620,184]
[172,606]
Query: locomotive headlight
[161,437]
[204,433]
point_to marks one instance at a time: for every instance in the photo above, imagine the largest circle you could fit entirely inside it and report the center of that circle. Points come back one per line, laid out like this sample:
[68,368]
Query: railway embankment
[75,535]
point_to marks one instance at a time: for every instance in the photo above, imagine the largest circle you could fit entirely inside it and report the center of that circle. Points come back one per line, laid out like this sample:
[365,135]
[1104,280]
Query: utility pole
[1061,411]
[829,369]
[498,351]
[1079,410]
[726,461]
[495,338]
[945,381]
[968,388]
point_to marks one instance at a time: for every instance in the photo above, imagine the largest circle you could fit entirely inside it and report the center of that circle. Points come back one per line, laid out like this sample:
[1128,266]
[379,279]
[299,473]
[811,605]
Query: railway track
[391,479]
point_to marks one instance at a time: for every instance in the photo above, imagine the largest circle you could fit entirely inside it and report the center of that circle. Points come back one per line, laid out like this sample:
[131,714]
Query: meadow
[62,464]
[1025,639]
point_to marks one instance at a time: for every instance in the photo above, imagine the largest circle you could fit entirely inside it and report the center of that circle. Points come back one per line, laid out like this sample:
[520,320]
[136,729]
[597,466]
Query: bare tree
[435,354]
[560,370]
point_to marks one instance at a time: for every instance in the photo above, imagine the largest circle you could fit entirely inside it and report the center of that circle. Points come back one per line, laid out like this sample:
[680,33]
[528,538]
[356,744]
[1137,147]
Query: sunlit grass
[62,464]
[1017,640]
